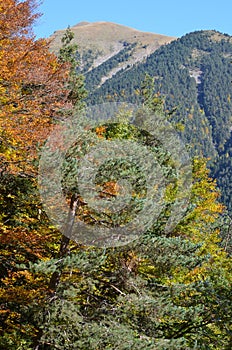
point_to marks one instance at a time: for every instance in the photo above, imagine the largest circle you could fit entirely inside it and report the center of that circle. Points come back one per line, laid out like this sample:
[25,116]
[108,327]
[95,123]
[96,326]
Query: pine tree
[165,290]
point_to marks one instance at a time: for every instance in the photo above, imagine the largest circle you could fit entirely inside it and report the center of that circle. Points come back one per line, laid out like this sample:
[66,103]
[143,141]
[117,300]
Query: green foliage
[127,298]
[193,75]
[162,291]
[75,83]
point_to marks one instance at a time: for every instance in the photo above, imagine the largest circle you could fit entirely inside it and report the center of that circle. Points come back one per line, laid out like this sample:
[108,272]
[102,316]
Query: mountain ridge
[99,41]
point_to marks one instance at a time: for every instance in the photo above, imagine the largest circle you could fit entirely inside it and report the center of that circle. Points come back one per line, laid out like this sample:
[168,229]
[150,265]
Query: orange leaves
[100,131]
[32,85]
[109,189]
[17,17]
[24,245]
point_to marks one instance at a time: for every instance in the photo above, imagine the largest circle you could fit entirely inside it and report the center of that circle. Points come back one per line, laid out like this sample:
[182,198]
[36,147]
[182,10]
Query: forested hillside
[193,74]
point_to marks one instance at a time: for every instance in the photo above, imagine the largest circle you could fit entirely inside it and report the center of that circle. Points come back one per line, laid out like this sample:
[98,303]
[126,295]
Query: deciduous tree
[32,85]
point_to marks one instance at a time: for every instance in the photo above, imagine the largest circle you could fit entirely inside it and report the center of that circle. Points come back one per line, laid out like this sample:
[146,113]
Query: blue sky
[169,17]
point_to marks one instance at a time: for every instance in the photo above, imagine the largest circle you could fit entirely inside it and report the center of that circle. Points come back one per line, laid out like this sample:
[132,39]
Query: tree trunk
[55,279]
[64,249]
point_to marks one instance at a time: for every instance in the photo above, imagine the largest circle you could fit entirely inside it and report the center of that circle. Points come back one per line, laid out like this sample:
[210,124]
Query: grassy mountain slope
[99,42]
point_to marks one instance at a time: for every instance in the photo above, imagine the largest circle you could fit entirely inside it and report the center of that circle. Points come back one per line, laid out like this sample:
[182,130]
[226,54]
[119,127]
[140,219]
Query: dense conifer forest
[193,75]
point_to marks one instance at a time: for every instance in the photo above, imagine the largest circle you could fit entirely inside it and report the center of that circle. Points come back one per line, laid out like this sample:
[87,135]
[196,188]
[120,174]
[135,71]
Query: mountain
[192,73]
[104,42]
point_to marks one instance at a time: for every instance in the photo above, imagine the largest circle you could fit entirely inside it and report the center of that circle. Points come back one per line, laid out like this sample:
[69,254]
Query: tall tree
[33,90]
[160,292]
[32,85]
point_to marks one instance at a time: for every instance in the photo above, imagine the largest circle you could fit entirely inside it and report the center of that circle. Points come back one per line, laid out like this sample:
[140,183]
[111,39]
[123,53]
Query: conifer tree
[162,291]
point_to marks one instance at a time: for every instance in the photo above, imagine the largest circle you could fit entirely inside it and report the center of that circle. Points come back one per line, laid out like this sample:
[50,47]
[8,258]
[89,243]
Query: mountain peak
[80,24]
[106,39]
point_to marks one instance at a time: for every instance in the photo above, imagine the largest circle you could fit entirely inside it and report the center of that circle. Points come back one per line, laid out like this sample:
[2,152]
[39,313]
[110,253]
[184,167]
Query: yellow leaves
[179,127]
[12,317]
[170,192]
[19,294]
[204,197]
[195,275]
[146,269]
[197,224]
[10,196]
[17,276]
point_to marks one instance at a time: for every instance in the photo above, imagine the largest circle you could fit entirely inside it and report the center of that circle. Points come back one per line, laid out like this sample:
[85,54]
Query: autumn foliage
[33,89]
[32,85]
